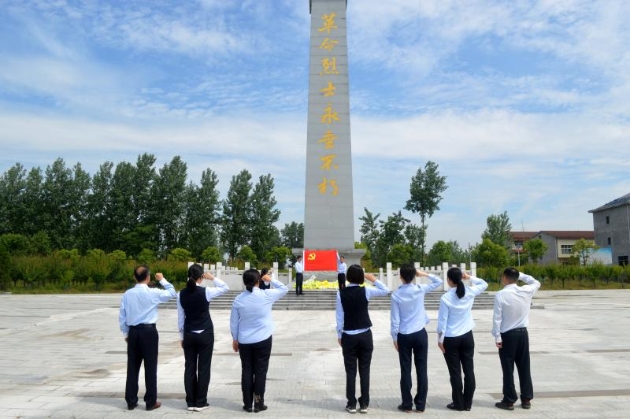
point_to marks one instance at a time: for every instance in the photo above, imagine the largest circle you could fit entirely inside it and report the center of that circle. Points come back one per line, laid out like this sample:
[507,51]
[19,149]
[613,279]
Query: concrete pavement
[62,356]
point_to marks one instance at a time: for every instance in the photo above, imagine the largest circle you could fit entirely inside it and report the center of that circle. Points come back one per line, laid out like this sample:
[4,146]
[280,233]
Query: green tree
[498,230]
[12,186]
[441,251]
[391,233]
[264,235]
[211,255]
[425,195]
[246,254]
[370,233]
[169,199]
[16,244]
[490,254]
[146,256]
[535,249]
[202,214]
[583,249]
[400,253]
[40,244]
[180,255]
[5,267]
[235,221]
[98,226]
[31,203]
[415,236]
[278,254]
[292,235]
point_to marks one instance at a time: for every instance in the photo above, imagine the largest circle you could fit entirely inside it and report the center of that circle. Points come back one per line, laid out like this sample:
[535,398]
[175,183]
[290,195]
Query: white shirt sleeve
[181,317]
[220,287]
[497,318]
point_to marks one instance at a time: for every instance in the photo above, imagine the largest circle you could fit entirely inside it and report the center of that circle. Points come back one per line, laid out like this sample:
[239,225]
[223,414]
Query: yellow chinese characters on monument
[329,116]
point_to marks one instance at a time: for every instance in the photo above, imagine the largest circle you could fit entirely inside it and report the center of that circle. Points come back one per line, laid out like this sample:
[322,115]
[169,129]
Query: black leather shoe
[526,404]
[419,410]
[157,405]
[504,405]
[404,409]
[452,407]
[247,409]
[132,406]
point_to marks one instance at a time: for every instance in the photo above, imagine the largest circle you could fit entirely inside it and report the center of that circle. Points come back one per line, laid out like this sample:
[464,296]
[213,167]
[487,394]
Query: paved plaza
[63,356]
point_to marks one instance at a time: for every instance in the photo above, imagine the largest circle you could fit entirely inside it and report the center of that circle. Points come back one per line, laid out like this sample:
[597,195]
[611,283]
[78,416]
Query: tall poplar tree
[235,220]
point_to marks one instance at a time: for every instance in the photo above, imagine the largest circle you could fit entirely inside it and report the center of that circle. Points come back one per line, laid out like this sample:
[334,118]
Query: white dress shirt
[299,268]
[139,305]
[250,319]
[220,288]
[511,306]
[455,316]
[342,267]
[378,290]
[407,307]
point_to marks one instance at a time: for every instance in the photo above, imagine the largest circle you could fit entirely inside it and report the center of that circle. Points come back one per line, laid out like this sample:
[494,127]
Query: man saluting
[138,315]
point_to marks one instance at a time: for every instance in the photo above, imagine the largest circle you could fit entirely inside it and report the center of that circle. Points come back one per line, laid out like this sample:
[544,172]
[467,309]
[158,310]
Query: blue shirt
[378,290]
[220,288]
[250,319]
[139,304]
[407,307]
[455,316]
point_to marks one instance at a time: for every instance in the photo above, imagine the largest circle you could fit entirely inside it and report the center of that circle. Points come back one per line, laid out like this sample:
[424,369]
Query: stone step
[326,299]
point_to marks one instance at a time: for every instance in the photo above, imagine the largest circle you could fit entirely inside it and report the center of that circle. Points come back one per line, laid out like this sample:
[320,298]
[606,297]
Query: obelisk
[329,211]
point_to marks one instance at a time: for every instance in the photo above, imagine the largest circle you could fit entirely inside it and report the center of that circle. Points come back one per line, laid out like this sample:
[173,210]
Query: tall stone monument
[329,211]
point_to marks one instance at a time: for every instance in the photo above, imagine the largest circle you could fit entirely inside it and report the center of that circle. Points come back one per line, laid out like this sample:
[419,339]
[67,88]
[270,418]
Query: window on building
[607,220]
[566,249]
[609,241]
[623,260]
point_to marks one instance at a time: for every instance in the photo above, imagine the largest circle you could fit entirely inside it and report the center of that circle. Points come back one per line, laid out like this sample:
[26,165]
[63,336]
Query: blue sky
[523,105]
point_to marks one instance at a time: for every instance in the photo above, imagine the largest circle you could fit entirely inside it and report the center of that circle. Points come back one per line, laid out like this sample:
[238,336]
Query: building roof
[571,235]
[523,235]
[624,200]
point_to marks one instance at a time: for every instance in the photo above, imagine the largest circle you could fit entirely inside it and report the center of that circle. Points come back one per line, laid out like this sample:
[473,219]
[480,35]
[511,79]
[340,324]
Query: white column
[390,281]
[444,276]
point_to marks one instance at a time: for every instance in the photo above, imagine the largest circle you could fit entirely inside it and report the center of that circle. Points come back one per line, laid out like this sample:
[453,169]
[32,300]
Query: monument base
[351,256]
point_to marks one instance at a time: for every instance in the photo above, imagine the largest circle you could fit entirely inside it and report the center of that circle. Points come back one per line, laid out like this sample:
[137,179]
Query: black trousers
[459,355]
[357,348]
[198,359]
[299,280]
[515,350]
[142,345]
[416,344]
[255,363]
[341,279]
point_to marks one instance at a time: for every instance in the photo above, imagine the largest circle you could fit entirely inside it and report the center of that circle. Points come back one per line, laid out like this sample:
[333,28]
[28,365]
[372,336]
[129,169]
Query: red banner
[320,260]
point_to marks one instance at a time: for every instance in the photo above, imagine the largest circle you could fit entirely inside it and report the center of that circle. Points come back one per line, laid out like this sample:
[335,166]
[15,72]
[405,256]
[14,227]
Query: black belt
[143,326]
[518,330]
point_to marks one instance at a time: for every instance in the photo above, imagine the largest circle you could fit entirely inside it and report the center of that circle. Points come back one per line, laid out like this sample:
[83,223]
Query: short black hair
[141,273]
[407,272]
[511,274]
[355,274]
[250,278]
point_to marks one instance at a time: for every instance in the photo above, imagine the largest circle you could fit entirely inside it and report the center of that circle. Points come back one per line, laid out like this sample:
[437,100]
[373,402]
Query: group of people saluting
[251,327]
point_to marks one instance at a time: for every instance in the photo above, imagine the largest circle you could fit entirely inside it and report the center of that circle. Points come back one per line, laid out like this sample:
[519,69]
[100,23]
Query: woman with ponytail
[455,337]
[251,326]
[197,334]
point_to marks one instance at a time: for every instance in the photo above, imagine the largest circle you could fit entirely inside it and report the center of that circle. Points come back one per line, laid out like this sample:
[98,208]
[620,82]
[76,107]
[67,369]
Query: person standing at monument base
[408,321]
[341,271]
[299,275]
[354,334]
[137,318]
[509,328]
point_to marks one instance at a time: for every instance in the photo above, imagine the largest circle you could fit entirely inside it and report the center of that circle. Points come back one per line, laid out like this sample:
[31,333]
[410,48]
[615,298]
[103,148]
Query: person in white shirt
[354,334]
[408,320]
[251,326]
[341,271]
[196,334]
[455,337]
[299,275]
[509,328]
